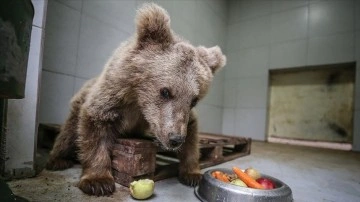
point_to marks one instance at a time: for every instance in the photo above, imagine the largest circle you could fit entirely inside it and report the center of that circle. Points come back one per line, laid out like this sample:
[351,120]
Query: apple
[253,173]
[266,183]
[142,189]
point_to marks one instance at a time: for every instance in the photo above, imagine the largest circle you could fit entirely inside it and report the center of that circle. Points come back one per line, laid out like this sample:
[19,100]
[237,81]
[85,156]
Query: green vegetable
[238,182]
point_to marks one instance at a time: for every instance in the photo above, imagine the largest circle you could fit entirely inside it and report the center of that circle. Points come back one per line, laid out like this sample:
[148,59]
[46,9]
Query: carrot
[213,174]
[250,182]
[221,176]
[224,178]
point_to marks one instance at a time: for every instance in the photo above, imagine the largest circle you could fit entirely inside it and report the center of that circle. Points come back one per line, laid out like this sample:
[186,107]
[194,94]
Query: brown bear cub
[149,86]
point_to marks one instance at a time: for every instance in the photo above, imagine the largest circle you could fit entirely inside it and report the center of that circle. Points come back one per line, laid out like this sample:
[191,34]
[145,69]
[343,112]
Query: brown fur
[128,99]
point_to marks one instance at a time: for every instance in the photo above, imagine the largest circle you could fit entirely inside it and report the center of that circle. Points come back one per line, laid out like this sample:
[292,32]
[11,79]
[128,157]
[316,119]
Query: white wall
[22,117]
[273,34]
[82,34]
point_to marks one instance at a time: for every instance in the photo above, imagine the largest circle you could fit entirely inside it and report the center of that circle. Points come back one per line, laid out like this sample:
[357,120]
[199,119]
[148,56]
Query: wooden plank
[134,157]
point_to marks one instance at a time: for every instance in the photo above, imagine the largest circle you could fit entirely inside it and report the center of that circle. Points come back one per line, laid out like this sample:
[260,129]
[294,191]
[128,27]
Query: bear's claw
[190,179]
[97,186]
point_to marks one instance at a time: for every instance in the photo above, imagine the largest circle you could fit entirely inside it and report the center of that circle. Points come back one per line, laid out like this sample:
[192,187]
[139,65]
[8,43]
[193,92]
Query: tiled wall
[260,35]
[82,34]
[267,34]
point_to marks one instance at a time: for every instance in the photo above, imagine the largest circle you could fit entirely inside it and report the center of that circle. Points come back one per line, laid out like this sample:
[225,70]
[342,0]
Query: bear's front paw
[190,179]
[58,164]
[97,186]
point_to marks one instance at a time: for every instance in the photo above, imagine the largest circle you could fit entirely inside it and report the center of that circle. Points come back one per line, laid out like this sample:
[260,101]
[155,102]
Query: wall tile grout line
[77,49]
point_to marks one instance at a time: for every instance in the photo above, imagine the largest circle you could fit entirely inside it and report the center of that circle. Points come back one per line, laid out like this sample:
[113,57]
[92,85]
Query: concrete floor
[313,174]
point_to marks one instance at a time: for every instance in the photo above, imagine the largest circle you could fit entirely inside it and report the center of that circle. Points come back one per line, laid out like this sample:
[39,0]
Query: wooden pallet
[134,158]
[214,149]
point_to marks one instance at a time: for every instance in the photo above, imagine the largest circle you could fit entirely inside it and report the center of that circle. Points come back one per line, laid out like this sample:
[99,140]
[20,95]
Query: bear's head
[171,75]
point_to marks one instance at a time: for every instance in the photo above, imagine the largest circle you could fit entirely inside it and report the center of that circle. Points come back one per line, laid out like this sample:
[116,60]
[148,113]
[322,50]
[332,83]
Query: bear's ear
[153,26]
[213,57]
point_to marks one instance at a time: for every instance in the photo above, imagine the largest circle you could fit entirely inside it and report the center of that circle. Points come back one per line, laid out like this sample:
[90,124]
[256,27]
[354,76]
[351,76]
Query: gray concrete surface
[313,174]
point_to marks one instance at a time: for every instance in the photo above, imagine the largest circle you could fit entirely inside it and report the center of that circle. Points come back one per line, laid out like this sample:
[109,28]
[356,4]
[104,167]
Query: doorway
[312,104]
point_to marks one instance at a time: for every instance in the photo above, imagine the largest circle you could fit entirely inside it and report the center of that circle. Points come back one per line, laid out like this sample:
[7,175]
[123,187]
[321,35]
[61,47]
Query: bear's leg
[189,169]
[63,154]
[95,143]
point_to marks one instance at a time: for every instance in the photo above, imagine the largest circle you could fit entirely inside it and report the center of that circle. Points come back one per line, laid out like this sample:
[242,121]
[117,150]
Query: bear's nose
[176,140]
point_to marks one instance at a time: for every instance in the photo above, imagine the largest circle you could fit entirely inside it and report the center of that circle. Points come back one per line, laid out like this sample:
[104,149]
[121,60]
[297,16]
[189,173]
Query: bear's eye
[194,102]
[165,93]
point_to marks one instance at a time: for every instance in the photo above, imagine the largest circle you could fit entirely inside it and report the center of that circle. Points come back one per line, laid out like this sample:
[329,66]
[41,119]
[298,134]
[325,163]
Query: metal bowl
[211,189]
